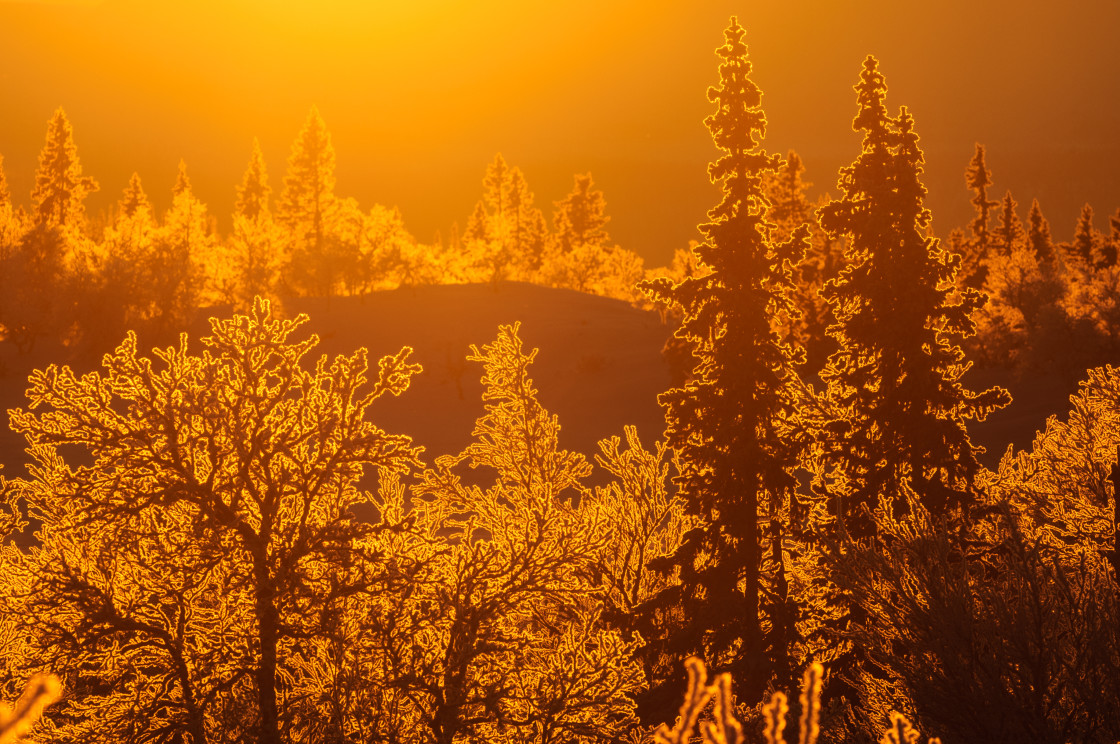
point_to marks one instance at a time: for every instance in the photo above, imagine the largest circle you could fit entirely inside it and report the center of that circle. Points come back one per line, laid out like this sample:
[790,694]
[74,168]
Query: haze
[419,96]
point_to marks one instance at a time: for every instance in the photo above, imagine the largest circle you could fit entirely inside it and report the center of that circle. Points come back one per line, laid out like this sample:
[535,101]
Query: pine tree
[1111,248]
[184,257]
[787,192]
[257,245]
[897,375]
[134,202]
[477,224]
[1082,252]
[581,216]
[978,178]
[1009,232]
[495,186]
[252,194]
[60,187]
[1038,235]
[729,424]
[307,209]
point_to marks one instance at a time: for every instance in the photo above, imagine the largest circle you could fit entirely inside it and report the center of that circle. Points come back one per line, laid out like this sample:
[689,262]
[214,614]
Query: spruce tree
[978,178]
[1111,248]
[1038,235]
[256,247]
[134,201]
[1083,250]
[307,208]
[581,216]
[729,423]
[896,378]
[60,188]
[1009,231]
[252,194]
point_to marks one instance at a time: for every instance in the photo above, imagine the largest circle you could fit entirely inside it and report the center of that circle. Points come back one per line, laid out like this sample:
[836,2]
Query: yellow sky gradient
[419,96]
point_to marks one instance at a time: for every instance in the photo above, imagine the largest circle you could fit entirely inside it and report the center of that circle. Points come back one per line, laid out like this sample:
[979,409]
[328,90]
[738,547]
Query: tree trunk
[268,632]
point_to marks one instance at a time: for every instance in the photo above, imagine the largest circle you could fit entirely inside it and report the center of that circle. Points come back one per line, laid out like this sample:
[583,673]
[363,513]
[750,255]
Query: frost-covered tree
[197,519]
[731,423]
[60,187]
[900,439]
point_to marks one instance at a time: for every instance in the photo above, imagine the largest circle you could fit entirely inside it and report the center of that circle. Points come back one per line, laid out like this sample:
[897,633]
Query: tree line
[814,515]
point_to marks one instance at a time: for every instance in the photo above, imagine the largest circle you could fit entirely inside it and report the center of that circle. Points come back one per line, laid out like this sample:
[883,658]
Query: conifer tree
[1009,230]
[495,185]
[60,188]
[1038,235]
[257,245]
[897,375]
[581,216]
[252,193]
[307,209]
[730,422]
[477,224]
[978,178]
[134,201]
[1083,250]
[788,195]
[506,235]
[1111,248]
[185,254]
[126,253]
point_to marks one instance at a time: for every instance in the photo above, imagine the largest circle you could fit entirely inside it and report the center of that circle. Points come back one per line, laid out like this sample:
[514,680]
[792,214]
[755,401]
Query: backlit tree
[60,188]
[257,246]
[896,379]
[581,216]
[730,423]
[307,209]
[197,514]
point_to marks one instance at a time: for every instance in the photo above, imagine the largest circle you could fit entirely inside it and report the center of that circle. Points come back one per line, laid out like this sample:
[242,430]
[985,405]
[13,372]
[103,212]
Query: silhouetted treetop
[581,216]
[60,188]
[897,374]
[134,201]
[252,193]
[730,423]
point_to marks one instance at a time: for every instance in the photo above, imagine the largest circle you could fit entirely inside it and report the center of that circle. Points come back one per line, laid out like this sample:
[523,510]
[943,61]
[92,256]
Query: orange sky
[420,94]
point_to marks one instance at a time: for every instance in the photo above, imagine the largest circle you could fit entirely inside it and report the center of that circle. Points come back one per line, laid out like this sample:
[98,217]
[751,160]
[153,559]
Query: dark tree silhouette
[581,216]
[896,379]
[1038,235]
[60,188]
[307,209]
[730,422]
[978,178]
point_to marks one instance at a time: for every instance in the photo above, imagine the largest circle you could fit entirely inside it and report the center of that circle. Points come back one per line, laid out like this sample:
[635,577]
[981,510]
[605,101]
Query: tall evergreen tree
[307,207]
[581,216]
[134,201]
[1009,230]
[978,178]
[1085,246]
[256,247]
[1038,235]
[252,194]
[897,375]
[1112,248]
[730,422]
[60,188]
[787,192]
